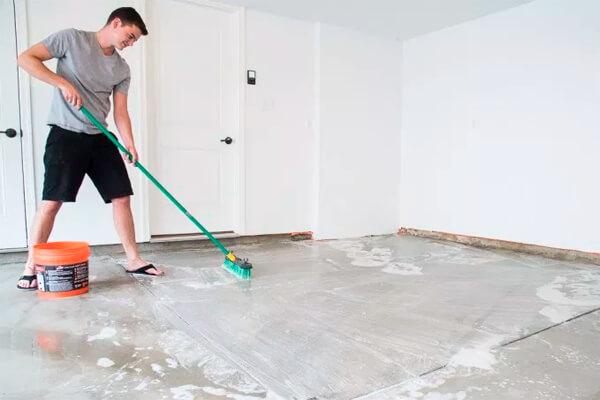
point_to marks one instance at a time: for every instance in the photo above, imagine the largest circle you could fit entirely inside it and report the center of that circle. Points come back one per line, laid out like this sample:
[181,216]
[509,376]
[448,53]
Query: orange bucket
[61,268]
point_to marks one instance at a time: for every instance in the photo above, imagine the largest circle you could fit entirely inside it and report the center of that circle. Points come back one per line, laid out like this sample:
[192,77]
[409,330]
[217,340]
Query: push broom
[238,266]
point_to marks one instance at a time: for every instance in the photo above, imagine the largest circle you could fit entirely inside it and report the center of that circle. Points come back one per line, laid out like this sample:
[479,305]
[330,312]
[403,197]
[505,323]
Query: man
[88,71]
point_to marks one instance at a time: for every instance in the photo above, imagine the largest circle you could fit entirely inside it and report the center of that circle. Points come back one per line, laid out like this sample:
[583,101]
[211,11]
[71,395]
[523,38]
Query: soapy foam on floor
[479,355]
[105,362]
[105,333]
[569,295]
[375,258]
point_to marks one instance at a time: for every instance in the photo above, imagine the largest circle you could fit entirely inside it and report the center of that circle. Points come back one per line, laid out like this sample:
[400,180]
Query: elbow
[24,60]
[21,60]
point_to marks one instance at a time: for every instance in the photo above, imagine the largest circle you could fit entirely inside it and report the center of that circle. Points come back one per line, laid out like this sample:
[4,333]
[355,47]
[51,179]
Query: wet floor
[374,318]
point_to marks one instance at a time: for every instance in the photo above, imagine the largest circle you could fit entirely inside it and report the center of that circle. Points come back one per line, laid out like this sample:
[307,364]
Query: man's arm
[123,123]
[32,61]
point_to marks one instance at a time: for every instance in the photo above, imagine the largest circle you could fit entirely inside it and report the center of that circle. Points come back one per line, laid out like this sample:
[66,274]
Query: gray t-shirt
[96,76]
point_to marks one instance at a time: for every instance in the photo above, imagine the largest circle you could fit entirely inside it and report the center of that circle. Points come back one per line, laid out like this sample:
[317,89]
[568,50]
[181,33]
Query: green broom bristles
[240,267]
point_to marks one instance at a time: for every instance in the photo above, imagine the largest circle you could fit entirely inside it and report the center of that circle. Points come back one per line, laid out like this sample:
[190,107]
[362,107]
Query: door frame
[25,119]
[143,200]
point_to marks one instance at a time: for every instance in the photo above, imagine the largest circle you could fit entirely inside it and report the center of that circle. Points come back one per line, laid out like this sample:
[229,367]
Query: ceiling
[399,19]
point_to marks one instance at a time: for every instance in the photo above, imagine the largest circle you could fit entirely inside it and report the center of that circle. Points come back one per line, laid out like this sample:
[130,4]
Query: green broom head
[240,267]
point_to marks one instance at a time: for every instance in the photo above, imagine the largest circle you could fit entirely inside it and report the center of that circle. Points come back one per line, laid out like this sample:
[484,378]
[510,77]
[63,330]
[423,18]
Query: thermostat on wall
[251,77]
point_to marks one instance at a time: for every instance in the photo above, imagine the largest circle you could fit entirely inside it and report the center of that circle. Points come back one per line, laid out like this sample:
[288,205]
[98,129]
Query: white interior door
[13,233]
[193,100]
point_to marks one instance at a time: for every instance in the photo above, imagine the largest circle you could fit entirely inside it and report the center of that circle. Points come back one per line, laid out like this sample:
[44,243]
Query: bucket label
[62,278]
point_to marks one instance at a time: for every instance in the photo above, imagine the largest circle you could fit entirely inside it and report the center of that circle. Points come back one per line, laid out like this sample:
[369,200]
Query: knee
[121,201]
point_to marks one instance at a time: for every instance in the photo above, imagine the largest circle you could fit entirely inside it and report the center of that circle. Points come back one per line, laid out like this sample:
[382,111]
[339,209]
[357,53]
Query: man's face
[124,35]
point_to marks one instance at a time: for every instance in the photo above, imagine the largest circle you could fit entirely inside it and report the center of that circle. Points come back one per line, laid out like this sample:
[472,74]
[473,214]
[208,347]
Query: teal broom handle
[164,191]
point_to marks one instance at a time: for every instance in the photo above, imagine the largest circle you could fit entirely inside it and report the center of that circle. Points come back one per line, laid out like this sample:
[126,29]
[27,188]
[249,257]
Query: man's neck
[104,43]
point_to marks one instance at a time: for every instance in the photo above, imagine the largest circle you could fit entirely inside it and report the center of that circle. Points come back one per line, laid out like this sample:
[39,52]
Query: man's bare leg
[40,232]
[124,225]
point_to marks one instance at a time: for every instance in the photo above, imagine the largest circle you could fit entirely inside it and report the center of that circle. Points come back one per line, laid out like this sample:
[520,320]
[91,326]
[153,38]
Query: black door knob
[11,133]
[227,140]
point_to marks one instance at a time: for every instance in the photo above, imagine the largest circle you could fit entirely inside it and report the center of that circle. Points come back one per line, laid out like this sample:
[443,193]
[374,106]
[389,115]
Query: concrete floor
[372,318]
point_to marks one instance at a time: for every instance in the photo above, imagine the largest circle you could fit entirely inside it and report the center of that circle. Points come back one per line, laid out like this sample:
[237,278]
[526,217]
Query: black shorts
[70,155]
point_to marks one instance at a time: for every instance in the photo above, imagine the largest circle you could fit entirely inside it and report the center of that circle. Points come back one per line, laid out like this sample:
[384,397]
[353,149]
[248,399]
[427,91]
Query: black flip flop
[142,270]
[29,279]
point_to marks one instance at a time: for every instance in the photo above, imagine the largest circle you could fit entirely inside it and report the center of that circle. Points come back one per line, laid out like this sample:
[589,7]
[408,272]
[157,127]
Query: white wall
[500,127]
[359,130]
[279,124]
[322,129]
[88,219]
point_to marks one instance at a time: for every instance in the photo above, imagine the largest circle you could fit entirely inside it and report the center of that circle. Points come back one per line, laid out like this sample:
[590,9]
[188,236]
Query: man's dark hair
[128,16]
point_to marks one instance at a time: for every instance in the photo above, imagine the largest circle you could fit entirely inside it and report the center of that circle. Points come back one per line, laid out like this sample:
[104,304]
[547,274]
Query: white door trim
[26,116]
[143,201]
[240,217]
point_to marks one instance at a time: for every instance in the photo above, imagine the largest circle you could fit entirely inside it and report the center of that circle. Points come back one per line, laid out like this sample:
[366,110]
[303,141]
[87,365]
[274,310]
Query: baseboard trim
[487,243]
[191,236]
